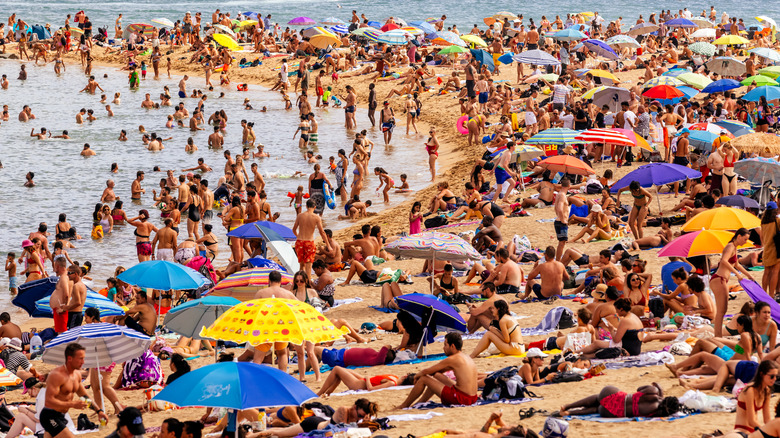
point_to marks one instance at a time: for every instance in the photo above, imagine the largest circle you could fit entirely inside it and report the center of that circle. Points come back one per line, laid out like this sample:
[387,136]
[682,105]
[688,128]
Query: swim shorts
[60,322]
[507,289]
[724,352]
[369,276]
[582,261]
[305,250]
[75,319]
[682,161]
[537,290]
[483,97]
[470,88]
[333,357]
[451,396]
[161,310]
[207,215]
[502,176]
[143,248]
[13,282]
[561,231]
[165,254]
[182,95]
[388,127]
[349,109]
[53,422]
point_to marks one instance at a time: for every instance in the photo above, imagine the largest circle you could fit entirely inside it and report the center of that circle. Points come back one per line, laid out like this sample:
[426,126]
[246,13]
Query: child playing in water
[404,187]
[10,267]
[384,179]
[298,199]
[287,103]
[143,69]
[168,66]
[133,78]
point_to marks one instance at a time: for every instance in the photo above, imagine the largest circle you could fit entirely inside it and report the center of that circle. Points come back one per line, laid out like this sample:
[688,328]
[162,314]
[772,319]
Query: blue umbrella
[688,91]
[252,15]
[738,201]
[675,72]
[260,262]
[600,48]
[737,129]
[342,28]
[570,34]
[30,293]
[680,22]
[375,24]
[721,85]
[189,318]
[433,311]
[236,385]
[259,230]
[162,275]
[423,25]
[506,58]
[536,57]
[702,139]
[770,92]
[94,299]
[484,58]
[656,174]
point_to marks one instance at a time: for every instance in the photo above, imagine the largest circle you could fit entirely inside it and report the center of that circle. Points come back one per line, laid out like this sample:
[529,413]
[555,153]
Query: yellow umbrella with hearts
[270,320]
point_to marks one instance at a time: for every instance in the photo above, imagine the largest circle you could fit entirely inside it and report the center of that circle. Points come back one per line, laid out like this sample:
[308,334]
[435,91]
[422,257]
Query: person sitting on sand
[355,381]
[623,337]
[479,316]
[769,429]
[551,275]
[680,298]
[366,272]
[610,402]
[558,341]
[597,226]
[503,332]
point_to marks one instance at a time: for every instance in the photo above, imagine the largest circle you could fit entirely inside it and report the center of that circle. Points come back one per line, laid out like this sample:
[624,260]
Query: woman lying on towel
[647,401]
[500,429]
[360,411]
[355,381]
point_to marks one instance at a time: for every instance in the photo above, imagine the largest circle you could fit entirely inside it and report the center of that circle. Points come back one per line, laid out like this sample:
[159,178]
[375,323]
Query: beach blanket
[544,221]
[599,419]
[337,303]
[429,358]
[456,224]
[384,309]
[413,417]
[647,359]
[536,300]
[475,335]
[550,352]
[480,402]
[365,391]
[549,323]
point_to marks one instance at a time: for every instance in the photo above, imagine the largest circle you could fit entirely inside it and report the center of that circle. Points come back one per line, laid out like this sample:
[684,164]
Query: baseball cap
[28,384]
[26,243]
[132,419]
[771,204]
[724,132]
[535,352]
[683,131]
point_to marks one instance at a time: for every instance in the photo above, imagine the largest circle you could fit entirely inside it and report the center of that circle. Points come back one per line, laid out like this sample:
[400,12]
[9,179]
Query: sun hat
[26,243]
[596,208]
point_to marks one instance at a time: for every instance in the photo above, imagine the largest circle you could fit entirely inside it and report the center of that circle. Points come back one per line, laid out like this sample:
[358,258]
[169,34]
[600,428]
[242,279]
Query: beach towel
[646,359]
[384,309]
[550,322]
[365,391]
[413,417]
[144,368]
[536,300]
[757,293]
[480,402]
[599,419]
[550,352]
[429,358]
[337,303]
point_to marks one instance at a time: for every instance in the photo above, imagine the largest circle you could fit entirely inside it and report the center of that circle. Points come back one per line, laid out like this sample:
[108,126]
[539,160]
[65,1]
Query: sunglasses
[772,376]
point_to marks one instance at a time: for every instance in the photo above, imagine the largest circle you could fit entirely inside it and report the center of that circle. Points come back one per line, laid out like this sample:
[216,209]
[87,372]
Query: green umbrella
[773,71]
[759,80]
[453,50]
[703,48]
[695,80]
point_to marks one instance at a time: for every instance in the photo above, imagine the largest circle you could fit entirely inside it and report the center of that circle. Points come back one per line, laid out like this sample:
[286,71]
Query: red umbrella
[390,26]
[663,92]
[566,164]
[601,135]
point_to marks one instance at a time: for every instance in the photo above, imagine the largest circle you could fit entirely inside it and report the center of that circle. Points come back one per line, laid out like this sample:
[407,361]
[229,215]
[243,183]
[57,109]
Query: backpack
[436,221]
[567,320]
[505,383]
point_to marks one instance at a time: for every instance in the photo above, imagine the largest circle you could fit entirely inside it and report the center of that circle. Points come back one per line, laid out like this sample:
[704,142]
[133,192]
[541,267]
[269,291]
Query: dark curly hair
[668,406]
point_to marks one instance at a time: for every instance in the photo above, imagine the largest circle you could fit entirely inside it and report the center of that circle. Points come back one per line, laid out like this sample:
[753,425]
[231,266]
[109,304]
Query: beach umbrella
[8,378]
[374,24]
[554,136]
[261,229]
[249,14]
[680,22]
[766,21]
[473,40]
[688,91]
[225,41]
[569,34]
[423,25]
[413,31]
[635,138]
[771,71]
[507,58]
[758,170]
[623,41]
[273,320]
[566,164]
[361,31]
[695,80]
[433,312]
[674,72]
[702,23]
[389,26]
[104,344]
[302,21]
[598,73]
[703,33]
[247,23]
[162,275]
[226,30]
[602,135]
[702,139]
[610,96]
[759,80]
[766,53]
[144,29]
[703,48]
[260,262]
[164,22]
[726,66]
[655,174]
[446,38]
[663,92]
[341,29]
[590,93]
[322,41]
[236,385]
[536,57]
[721,85]
[93,300]
[738,201]
[484,58]
[643,29]
[33,291]
[769,92]
[600,48]
[757,142]
[433,245]
[730,40]
[697,243]
[243,285]
[663,80]
[525,152]
[450,50]
[397,34]
[332,21]
[709,127]
[315,30]
[736,128]
[504,14]
[722,218]
[190,318]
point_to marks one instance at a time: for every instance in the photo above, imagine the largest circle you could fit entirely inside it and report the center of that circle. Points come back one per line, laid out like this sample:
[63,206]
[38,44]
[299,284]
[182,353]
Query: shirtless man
[274,290]
[87,151]
[7,328]
[532,39]
[216,140]
[561,223]
[715,163]
[461,391]
[258,180]
[78,296]
[147,103]
[91,86]
[507,275]
[546,191]
[165,240]
[552,273]
[108,192]
[61,296]
[61,384]
[202,166]
[479,316]
[489,236]
[304,227]
[330,251]
[42,135]
[183,87]
[142,317]
[135,187]
[360,249]
[27,114]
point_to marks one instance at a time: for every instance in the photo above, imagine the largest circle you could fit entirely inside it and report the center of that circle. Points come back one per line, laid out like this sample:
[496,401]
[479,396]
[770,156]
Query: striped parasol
[414,31]
[94,299]
[663,80]
[622,41]
[244,284]
[431,244]
[635,138]
[602,135]
[8,378]
[385,37]
[144,29]
[105,343]
[735,127]
[446,38]
[555,136]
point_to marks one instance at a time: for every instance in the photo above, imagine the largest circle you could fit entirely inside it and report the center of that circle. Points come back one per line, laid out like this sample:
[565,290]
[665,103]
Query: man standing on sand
[479,316]
[561,223]
[135,188]
[183,87]
[61,384]
[165,241]
[274,290]
[78,296]
[305,225]
[430,381]
[61,296]
[551,273]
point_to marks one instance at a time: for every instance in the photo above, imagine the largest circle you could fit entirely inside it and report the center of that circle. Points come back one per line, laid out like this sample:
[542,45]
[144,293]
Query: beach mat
[646,359]
[599,419]
[480,402]
[326,368]
[384,309]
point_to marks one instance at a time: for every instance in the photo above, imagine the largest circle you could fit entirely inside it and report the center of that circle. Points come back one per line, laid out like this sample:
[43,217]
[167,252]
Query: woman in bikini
[444,201]
[143,229]
[764,325]
[719,282]
[661,238]
[432,148]
[753,405]
[680,298]
[209,241]
[33,263]
[636,217]
[730,156]
[598,226]
[503,332]
[118,214]
[356,382]
[303,128]
[233,218]
[636,290]
[647,401]
[384,179]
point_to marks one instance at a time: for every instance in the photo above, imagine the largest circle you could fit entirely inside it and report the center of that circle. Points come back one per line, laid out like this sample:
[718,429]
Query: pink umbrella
[390,26]
[697,243]
[302,21]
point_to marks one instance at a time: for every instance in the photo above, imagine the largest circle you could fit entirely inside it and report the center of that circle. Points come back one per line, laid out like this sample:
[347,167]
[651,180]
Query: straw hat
[568,150]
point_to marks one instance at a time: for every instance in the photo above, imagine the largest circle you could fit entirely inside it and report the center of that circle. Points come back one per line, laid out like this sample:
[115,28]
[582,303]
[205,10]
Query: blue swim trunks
[502,175]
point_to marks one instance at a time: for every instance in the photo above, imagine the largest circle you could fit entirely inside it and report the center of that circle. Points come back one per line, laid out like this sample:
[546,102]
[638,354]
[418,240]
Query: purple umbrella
[656,174]
[680,22]
[738,201]
[302,21]
[757,293]
[601,49]
[432,312]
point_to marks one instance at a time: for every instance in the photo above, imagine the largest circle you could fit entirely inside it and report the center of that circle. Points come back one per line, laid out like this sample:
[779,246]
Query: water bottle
[36,346]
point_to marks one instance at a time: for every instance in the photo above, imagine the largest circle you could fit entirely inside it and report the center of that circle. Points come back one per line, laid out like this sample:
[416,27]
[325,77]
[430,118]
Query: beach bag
[435,222]
[5,419]
[457,298]
[567,376]
[593,188]
[505,384]
[567,320]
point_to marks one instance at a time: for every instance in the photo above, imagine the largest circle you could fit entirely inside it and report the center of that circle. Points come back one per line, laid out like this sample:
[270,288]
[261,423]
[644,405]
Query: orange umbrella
[566,164]
[636,139]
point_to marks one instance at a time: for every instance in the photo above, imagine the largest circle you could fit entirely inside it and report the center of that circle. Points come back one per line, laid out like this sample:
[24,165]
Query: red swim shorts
[60,322]
[451,395]
[305,250]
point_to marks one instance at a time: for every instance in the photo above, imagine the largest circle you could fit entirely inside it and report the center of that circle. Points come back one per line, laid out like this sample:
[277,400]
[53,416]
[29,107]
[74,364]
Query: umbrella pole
[658,197]
[100,380]
[433,271]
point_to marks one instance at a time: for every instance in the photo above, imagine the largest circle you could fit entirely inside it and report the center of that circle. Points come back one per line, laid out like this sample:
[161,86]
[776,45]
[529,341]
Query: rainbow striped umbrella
[735,127]
[635,138]
[556,136]
[446,38]
[144,29]
[244,284]
[414,31]
[432,244]
[601,135]
[8,378]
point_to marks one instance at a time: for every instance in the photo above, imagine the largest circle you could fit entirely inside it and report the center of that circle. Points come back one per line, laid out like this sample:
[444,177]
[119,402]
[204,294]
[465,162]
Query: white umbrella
[642,29]
[163,21]
[702,23]
[704,33]
[225,29]
[766,21]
